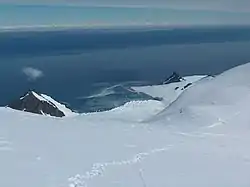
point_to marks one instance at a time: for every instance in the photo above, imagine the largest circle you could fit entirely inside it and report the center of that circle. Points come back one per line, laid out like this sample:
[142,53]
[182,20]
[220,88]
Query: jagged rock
[186,86]
[39,104]
[175,77]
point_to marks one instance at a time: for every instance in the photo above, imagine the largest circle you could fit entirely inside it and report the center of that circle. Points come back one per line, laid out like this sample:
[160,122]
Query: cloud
[32,73]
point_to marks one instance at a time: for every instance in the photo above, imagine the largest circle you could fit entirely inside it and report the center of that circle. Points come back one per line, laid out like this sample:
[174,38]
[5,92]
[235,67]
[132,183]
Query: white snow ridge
[200,138]
[61,107]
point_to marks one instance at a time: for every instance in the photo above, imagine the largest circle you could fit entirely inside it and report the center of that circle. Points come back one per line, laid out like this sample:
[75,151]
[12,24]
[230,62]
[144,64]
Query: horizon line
[110,26]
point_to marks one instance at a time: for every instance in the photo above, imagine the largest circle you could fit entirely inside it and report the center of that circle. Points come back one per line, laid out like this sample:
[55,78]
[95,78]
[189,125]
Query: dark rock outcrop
[35,103]
[175,77]
[186,86]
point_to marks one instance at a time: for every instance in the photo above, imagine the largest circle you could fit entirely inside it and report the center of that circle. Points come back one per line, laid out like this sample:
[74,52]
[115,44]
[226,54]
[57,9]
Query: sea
[92,70]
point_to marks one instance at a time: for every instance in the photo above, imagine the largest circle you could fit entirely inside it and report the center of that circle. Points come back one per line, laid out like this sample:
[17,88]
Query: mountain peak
[175,77]
[40,104]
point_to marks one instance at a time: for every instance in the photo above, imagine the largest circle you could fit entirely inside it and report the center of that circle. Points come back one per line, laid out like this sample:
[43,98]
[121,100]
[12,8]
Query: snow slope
[193,142]
[221,96]
[67,112]
[42,97]
[169,92]
[134,111]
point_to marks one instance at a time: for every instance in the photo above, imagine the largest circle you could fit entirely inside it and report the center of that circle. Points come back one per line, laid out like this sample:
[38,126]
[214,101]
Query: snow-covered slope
[194,142]
[170,92]
[134,111]
[220,96]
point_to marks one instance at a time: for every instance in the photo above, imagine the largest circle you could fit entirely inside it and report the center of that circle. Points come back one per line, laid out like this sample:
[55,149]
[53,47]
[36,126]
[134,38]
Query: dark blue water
[80,63]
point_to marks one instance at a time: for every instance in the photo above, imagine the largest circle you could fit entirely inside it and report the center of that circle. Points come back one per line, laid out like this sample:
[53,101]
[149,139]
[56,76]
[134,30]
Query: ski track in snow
[200,135]
[220,122]
[98,169]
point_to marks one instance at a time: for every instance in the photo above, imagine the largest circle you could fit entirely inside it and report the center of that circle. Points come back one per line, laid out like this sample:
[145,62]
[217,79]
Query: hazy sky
[124,12]
[232,5]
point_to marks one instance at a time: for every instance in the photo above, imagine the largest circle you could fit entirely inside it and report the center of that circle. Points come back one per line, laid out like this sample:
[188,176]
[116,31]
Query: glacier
[199,138]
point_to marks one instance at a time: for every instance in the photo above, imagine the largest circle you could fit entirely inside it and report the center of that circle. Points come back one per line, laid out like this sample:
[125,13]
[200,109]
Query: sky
[230,5]
[15,13]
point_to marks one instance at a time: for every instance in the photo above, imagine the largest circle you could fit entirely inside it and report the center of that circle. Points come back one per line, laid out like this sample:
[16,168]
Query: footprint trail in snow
[98,169]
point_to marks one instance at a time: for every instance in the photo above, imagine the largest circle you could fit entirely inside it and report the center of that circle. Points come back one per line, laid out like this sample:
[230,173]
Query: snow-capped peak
[41,104]
[38,96]
[175,77]
[61,107]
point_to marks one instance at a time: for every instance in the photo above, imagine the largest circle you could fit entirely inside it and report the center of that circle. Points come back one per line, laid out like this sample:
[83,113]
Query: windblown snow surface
[201,139]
